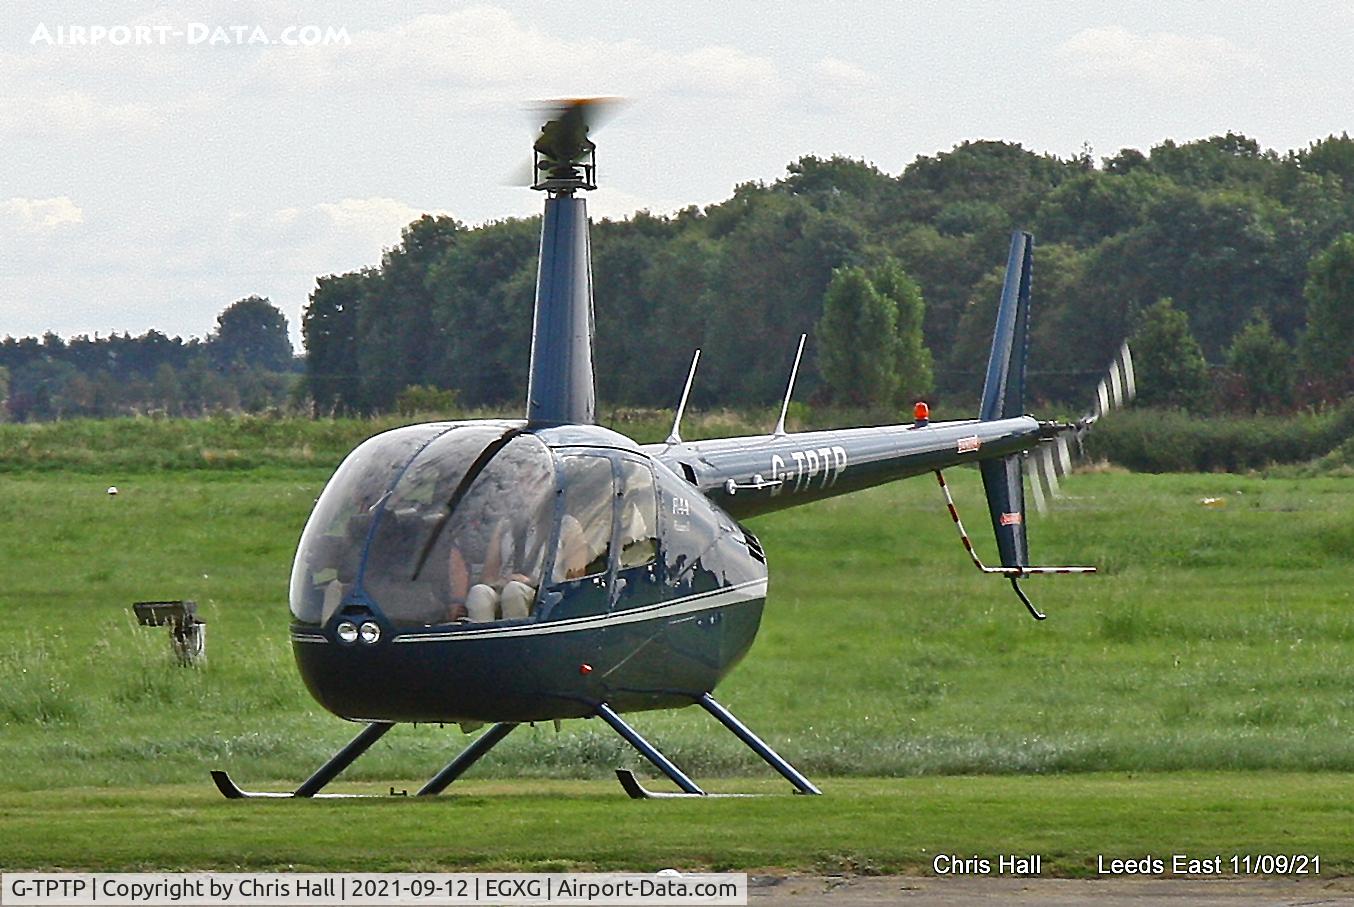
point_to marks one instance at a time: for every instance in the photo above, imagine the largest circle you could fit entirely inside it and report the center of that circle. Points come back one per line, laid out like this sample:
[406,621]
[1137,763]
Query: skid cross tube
[468,757]
[343,758]
[647,750]
[757,745]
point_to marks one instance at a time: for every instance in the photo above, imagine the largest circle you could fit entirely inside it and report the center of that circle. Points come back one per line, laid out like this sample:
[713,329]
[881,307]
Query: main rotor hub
[564,177]
[564,159]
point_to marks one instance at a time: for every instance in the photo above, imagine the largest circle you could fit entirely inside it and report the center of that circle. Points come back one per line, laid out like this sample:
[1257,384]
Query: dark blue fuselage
[653,621]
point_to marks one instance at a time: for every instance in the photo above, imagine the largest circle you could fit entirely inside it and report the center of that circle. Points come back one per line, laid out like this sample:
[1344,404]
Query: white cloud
[324,238]
[40,216]
[612,203]
[70,111]
[375,219]
[717,71]
[489,57]
[838,86]
[841,74]
[1161,58]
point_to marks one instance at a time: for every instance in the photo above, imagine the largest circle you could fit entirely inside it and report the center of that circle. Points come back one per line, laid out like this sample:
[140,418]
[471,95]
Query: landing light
[370,632]
[347,631]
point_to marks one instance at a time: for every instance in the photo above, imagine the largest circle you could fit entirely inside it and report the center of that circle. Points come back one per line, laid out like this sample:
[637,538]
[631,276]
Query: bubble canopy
[431,524]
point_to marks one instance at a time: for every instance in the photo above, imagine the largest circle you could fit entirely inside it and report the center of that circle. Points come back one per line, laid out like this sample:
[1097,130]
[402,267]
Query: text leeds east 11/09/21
[1178,864]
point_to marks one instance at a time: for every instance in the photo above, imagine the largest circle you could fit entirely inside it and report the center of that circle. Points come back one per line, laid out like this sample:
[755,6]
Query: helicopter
[506,572]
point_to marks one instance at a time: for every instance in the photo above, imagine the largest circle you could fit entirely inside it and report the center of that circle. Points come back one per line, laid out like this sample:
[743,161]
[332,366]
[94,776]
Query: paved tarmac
[867,891]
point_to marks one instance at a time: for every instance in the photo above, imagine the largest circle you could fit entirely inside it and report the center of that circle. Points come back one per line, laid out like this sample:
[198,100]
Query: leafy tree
[947,267]
[329,327]
[972,217]
[418,399]
[1126,161]
[1000,173]
[622,254]
[1262,364]
[766,287]
[1232,160]
[913,367]
[1206,251]
[1330,155]
[252,333]
[835,177]
[1170,366]
[168,390]
[399,340]
[675,282]
[1093,206]
[483,290]
[858,342]
[1328,346]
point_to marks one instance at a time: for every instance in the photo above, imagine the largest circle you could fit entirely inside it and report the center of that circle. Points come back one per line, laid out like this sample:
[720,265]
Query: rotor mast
[560,387]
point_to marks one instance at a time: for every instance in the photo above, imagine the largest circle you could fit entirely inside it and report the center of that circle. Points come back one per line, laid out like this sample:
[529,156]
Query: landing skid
[637,791]
[490,738]
[232,791]
[356,747]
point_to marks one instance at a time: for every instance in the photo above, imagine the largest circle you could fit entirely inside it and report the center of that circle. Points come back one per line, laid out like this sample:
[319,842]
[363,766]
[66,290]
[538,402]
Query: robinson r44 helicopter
[548,568]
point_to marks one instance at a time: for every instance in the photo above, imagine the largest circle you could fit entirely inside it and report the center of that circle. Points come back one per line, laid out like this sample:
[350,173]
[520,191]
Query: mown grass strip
[861,825]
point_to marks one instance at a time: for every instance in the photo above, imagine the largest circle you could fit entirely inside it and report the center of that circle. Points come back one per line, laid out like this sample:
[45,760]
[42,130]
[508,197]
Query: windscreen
[330,553]
[463,535]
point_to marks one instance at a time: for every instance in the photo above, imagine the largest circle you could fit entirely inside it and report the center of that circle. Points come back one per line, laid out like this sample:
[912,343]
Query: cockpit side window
[638,517]
[584,547]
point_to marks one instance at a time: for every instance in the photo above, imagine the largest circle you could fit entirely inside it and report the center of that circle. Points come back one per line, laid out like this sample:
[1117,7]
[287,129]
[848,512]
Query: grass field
[861,826]
[1197,694]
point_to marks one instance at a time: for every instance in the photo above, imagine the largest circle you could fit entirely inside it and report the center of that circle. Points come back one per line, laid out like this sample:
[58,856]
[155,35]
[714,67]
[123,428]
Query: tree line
[245,364]
[1239,257]
[1230,266]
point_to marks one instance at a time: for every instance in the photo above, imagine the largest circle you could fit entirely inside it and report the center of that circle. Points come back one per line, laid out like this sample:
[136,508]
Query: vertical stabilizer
[1003,482]
[1004,391]
[1004,398]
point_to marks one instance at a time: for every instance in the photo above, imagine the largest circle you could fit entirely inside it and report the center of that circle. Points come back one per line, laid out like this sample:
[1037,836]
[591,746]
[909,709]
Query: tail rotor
[1051,462]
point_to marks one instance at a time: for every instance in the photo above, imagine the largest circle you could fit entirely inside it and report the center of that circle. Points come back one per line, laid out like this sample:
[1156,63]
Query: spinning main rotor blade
[563,141]
[564,135]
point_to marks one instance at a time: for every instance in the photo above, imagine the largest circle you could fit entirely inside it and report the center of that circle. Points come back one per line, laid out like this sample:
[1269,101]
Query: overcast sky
[180,163]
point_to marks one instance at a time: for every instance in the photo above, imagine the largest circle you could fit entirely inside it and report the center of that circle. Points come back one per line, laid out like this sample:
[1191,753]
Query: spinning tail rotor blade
[1037,482]
[1053,461]
[1044,476]
[1126,361]
[1063,459]
[1116,389]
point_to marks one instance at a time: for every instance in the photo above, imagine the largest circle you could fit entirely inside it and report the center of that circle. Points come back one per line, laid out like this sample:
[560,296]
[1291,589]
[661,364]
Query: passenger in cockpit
[506,581]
